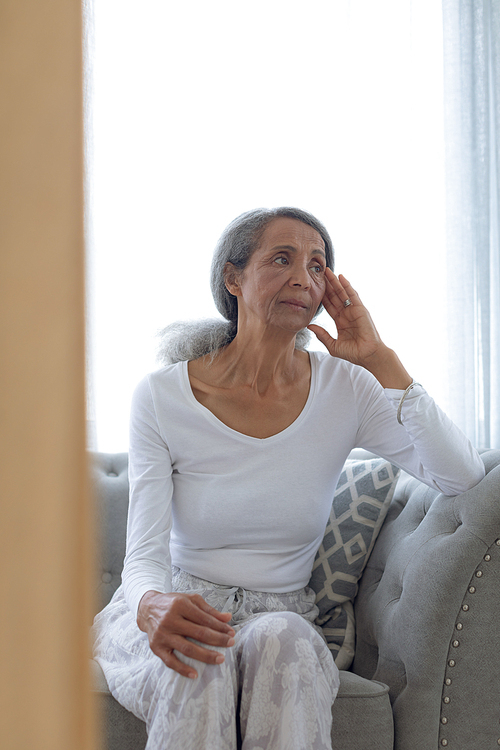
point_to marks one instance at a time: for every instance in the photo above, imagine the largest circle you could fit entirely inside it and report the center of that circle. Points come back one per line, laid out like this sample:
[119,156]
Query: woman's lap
[278,656]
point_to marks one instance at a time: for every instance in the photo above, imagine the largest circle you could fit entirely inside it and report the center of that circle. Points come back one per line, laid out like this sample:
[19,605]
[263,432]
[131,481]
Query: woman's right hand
[170,620]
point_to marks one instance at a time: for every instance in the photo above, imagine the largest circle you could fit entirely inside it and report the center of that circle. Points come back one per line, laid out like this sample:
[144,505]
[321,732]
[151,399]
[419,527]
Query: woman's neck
[261,360]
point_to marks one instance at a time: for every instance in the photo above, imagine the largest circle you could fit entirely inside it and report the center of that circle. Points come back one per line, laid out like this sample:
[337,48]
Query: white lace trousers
[275,688]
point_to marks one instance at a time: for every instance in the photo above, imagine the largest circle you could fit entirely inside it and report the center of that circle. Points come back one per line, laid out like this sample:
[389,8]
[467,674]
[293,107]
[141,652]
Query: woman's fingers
[346,290]
[357,338]
[185,617]
[169,658]
[186,623]
[323,336]
[163,645]
[205,625]
[351,293]
[206,635]
[337,292]
[210,616]
[197,651]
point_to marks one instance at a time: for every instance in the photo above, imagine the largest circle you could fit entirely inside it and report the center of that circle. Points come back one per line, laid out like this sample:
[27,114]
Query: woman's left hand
[358,341]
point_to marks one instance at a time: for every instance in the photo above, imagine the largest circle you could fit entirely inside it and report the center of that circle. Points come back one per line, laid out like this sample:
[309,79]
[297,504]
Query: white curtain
[472,152]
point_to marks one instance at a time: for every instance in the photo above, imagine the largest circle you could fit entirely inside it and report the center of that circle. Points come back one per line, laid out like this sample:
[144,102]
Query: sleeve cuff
[398,397]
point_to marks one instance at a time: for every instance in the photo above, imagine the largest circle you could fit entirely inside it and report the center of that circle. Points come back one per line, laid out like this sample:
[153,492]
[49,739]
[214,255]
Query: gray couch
[426,671]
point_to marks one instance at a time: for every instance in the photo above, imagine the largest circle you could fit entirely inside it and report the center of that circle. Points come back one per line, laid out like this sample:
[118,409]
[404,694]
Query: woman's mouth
[295,304]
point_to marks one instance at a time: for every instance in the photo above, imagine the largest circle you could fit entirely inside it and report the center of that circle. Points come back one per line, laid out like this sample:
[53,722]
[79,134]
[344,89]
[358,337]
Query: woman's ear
[232,279]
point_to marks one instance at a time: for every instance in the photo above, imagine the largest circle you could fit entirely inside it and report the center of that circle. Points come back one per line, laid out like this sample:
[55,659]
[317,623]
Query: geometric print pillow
[360,504]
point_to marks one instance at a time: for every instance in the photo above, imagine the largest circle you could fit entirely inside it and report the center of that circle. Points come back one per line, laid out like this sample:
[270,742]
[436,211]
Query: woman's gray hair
[187,340]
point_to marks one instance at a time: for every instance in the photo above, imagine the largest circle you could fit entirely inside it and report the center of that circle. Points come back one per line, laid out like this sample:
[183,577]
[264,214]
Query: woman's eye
[318,268]
[281,260]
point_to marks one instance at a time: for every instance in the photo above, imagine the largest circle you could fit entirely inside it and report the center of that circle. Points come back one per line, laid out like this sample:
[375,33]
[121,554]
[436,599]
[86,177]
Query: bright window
[203,110]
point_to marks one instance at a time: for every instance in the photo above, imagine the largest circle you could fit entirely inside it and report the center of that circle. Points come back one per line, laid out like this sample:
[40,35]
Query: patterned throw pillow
[360,504]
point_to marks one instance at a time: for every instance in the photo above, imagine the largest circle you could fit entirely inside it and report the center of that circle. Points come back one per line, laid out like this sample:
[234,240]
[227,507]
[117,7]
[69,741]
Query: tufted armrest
[428,613]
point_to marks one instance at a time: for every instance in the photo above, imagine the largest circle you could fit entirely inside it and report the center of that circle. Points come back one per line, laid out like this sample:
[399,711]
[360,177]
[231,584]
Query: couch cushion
[362,715]
[361,712]
[361,500]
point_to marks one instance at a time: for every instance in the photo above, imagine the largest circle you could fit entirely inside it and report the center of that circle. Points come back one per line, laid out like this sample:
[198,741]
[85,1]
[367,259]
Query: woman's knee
[285,646]
[283,628]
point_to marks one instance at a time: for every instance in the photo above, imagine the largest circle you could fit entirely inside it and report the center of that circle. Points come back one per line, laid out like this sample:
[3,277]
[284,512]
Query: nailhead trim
[455,643]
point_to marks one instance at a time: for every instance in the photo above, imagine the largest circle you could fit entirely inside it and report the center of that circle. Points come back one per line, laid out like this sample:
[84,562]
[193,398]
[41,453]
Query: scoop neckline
[241,435]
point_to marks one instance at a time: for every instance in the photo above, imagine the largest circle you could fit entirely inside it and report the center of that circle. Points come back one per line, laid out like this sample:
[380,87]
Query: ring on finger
[347,302]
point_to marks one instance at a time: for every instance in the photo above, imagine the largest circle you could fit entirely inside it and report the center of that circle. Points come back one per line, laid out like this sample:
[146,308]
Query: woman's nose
[300,276]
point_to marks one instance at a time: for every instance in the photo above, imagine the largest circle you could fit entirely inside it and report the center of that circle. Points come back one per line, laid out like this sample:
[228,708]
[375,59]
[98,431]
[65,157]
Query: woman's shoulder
[163,380]
[337,372]
[204,368]
[325,363]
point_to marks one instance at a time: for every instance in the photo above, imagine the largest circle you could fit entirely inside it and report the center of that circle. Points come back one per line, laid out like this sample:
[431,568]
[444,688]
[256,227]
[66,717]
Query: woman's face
[284,282]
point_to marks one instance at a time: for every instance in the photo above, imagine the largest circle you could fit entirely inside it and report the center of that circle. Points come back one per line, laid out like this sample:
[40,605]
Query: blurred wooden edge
[46,555]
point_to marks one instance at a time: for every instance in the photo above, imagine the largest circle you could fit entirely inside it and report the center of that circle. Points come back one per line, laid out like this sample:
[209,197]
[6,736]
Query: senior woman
[235,451]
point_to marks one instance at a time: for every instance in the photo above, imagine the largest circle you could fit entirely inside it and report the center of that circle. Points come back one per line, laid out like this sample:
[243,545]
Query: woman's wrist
[143,610]
[386,366]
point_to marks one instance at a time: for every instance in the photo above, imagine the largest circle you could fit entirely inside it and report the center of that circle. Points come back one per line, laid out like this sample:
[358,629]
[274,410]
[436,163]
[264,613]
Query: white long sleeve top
[246,511]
